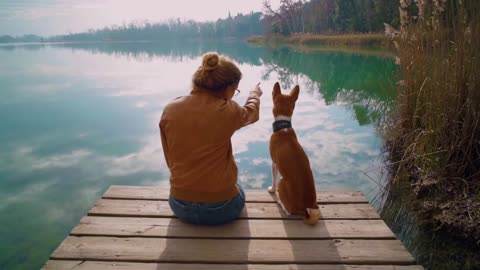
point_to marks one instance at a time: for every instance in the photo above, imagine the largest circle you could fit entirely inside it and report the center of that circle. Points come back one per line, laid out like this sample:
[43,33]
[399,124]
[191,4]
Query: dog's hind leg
[274,186]
[283,207]
[283,196]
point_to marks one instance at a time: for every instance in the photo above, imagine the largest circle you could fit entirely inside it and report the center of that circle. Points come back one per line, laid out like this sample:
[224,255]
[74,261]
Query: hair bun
[210,61]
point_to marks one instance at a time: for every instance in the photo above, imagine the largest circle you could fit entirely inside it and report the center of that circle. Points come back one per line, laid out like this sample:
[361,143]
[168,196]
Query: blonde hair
[216,73]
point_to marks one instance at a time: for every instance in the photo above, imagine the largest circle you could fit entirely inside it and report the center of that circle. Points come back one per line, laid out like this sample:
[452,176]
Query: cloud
[140,104]
[28,193]
[149,158]
[61,161]
[49,88]
[38,13]
[331,152]
[262,161]
[34,10]
[248,181]
[23,159]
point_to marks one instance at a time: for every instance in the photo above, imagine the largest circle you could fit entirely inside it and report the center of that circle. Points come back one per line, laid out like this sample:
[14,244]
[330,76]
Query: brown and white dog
[296,190]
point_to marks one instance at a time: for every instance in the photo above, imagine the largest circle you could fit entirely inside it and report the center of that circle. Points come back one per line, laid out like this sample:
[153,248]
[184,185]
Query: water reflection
[174,51]
[77,118]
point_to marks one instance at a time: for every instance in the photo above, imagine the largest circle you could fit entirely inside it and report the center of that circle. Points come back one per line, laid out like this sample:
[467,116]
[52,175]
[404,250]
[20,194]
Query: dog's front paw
[271,189]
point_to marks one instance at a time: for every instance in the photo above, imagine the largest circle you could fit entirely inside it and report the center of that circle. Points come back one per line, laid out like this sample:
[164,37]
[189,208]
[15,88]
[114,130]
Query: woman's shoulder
[233,105]
[176,101]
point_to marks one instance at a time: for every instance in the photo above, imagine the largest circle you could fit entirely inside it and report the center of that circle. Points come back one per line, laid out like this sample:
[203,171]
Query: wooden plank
[239,229]
[252,195]
[146,208]
[95,265]
[234,251]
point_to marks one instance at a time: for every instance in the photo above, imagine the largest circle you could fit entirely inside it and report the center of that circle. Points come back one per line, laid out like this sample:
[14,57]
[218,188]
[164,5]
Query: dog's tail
[311,216]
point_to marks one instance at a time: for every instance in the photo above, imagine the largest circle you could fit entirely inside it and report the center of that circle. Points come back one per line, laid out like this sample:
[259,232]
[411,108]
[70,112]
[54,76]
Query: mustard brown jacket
[196,130]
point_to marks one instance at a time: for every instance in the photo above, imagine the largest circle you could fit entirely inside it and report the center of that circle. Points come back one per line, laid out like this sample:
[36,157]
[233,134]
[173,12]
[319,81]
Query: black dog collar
[281,124]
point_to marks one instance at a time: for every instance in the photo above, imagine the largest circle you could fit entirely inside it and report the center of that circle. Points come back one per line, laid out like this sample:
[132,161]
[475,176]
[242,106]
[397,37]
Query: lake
[77,118]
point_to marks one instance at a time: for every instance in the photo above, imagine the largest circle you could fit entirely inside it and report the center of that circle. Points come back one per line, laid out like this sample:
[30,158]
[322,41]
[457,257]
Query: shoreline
[405,215]
[448,207]
[362,44]
[113,41]
[374,44]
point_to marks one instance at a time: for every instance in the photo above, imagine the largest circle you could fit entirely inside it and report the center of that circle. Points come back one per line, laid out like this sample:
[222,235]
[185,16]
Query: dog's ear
[294,92]
[276,90]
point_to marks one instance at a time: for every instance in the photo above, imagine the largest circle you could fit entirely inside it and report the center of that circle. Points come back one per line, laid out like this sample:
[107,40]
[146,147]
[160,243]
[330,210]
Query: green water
[77,118]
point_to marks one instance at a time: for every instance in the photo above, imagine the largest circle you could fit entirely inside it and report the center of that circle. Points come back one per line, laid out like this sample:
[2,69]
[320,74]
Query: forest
[330,16]
[291,17]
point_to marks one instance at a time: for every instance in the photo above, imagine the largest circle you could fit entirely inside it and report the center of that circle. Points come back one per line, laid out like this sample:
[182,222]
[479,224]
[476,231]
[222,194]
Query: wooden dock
[132,227]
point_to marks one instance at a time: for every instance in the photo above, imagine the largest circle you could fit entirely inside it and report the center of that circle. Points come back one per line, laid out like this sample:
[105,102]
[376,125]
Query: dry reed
[434,132]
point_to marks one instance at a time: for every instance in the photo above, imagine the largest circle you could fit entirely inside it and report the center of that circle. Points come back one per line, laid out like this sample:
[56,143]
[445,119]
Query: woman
[196,132]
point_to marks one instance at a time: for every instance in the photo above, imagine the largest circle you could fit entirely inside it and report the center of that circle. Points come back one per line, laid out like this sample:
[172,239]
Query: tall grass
[434,133]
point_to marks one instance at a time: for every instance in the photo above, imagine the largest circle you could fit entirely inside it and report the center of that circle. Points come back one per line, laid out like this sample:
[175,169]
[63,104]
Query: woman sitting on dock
[196,133]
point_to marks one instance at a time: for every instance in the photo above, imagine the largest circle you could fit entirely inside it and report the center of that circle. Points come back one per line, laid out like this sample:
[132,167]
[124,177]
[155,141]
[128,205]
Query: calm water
[76,119]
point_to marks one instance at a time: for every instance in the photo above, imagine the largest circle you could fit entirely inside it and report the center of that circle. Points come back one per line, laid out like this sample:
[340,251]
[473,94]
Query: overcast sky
[51,17]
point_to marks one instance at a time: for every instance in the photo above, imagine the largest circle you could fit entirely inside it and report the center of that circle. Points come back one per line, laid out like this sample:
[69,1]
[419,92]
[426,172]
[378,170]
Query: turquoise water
[77,118]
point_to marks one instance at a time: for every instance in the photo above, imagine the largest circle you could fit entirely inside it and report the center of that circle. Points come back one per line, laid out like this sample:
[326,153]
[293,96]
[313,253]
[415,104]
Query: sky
[52,17]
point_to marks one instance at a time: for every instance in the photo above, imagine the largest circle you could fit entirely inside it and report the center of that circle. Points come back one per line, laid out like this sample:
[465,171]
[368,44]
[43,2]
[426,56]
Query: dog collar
[281,124]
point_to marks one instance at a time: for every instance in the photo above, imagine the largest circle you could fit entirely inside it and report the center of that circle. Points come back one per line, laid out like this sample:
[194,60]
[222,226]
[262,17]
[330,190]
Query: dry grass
[435,130]
[350,40]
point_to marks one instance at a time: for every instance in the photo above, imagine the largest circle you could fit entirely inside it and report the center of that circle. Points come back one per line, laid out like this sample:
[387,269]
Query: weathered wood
[252,195]
[233,251]
[146,208]
[239,229]
[92,265]
[135,229]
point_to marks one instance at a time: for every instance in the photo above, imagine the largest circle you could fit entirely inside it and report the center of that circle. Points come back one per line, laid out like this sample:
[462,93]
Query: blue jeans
[208,213]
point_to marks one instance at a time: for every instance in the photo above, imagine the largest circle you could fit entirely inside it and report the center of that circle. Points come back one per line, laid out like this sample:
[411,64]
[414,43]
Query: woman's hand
[257,91]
